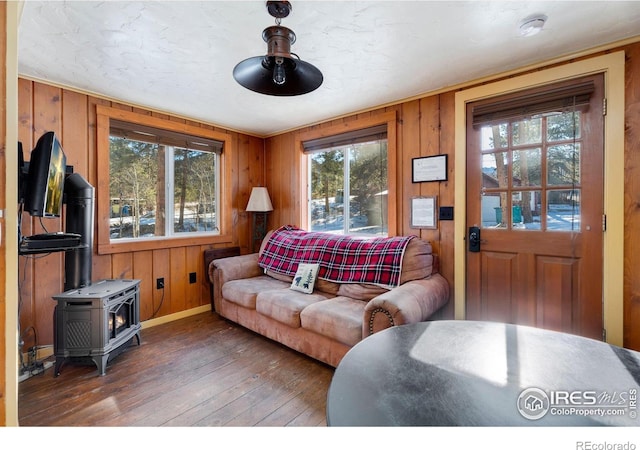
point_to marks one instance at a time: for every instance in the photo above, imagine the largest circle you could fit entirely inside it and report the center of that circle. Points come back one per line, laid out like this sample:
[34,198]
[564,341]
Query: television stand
[49,242]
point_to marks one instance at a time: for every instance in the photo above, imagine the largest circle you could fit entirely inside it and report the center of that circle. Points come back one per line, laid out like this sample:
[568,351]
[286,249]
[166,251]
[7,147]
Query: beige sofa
[326,323]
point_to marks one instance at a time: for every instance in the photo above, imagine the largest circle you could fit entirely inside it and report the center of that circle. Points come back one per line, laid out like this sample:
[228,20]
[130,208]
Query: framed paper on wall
[429,168]
[423,212]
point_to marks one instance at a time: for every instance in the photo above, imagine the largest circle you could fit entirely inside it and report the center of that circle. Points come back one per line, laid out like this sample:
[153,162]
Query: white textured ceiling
[178,56]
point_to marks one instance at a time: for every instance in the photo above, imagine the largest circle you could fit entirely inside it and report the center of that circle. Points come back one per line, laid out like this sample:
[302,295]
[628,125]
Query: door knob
[474,239]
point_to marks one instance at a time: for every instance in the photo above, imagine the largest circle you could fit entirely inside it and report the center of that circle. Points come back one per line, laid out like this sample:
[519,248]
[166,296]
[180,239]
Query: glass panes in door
[531,173]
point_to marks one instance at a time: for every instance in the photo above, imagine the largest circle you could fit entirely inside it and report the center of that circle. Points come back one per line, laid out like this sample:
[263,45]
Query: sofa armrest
[231,268]
[414,301]
[234,268]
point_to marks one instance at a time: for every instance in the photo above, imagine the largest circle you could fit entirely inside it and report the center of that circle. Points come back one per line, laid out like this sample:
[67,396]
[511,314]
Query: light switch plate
[446,213]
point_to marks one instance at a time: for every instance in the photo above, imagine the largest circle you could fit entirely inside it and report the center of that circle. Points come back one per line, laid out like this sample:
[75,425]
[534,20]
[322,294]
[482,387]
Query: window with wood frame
[163,183]
[348,182]
[531,156]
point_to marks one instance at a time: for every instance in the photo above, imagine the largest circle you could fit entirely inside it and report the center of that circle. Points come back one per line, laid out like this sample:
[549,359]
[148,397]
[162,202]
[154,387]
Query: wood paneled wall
[425,128]
[419,133]
[632,199]
[3,228]
[72,116]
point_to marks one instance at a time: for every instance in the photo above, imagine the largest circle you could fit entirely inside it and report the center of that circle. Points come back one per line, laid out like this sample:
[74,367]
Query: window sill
[130,246]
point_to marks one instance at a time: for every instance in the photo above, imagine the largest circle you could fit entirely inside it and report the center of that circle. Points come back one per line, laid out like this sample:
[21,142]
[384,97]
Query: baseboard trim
[175,316]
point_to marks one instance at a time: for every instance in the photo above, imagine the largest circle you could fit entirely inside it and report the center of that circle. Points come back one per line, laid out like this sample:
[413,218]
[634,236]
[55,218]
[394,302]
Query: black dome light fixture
[279,72]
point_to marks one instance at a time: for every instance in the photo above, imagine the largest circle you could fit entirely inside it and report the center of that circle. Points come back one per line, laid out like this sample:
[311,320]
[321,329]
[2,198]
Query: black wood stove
[97,321]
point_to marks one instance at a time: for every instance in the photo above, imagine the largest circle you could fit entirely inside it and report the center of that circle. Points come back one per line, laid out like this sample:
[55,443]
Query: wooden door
[535,197]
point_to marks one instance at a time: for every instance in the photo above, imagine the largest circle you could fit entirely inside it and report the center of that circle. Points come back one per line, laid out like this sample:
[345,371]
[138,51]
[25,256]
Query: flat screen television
[21,174]
[44,186]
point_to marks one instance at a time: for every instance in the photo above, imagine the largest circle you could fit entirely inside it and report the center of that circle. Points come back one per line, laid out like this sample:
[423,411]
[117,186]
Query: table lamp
[259,204]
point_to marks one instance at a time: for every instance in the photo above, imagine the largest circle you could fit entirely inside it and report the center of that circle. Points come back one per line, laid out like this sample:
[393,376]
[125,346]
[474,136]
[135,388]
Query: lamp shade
[256,74]
[259,200]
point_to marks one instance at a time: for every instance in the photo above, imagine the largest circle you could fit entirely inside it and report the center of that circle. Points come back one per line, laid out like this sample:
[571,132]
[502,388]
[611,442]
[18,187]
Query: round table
[468,373]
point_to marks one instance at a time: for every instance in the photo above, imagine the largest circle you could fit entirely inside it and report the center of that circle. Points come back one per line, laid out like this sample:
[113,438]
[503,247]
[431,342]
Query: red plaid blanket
[343,259]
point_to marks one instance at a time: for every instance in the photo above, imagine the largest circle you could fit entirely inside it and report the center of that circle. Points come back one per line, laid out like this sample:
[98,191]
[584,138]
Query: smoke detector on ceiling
[532,25]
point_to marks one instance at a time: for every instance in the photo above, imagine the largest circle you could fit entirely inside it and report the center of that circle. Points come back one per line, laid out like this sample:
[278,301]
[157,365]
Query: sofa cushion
[417,262]
[339,318]
[328,287]
[285,305]
[361,291]
[279,276]
[243,292]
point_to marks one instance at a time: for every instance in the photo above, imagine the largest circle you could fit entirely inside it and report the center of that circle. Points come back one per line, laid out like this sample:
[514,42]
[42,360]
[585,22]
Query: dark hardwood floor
[197,371]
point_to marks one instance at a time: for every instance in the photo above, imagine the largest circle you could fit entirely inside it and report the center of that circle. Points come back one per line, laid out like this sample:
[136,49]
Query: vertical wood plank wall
[3,278]
[419,134]
[632,199]
[426,128]
[72,116]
